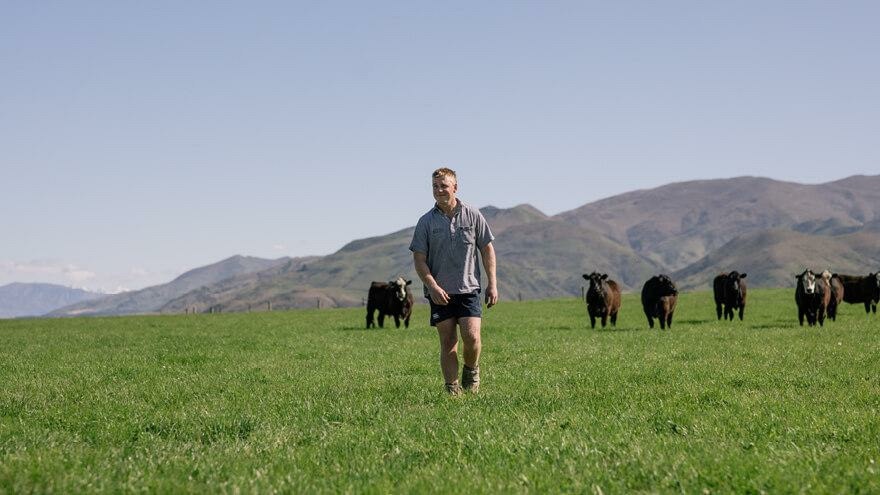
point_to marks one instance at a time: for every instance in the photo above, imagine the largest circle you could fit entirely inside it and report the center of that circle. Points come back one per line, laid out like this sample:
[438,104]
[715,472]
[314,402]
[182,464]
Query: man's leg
[448,350]
[470,336]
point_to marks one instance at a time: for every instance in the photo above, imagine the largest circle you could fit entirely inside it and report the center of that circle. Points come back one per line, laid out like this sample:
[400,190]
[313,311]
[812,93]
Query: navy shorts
[459,306]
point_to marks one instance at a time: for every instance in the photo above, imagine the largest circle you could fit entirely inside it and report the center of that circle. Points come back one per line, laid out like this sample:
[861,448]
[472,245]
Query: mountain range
[692,230]
[151,299]
[19,299]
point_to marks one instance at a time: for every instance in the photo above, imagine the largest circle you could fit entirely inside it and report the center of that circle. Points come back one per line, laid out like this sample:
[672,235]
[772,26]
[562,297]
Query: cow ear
[409,282]
[392,282]
[604,276]
[742,275]
[586,277]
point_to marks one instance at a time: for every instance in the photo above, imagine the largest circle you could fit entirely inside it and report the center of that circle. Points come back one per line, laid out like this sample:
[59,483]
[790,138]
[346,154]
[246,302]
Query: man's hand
[438,295]
[491,296]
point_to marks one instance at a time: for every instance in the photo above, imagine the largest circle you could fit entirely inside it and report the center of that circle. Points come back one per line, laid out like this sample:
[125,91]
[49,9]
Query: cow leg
[662,321]
[396,321]
[614,319]
[718,310]
[820,317]
[406,322]
[742,310]
[801,316]
[874,308]
[669,321]
[369,317]
[867,307]
[650,321]
[381,319]
[592,320]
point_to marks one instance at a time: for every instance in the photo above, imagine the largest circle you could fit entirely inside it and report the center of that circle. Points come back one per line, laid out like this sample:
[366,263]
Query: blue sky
[143,139]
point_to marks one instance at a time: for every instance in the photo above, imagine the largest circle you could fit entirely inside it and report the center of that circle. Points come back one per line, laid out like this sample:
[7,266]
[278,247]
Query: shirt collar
[458,208]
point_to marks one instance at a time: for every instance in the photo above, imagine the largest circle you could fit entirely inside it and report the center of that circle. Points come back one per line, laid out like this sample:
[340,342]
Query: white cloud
[60,272]
[279,247]
[72,274]
[48,271]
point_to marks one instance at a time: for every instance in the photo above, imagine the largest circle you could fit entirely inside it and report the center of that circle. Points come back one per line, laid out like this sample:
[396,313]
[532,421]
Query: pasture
[311,402]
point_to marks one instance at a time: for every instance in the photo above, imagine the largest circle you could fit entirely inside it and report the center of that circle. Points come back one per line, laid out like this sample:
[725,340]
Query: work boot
[470,378]
[453,389]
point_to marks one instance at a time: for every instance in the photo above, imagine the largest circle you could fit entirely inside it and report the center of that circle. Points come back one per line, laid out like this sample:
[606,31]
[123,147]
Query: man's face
[444,189]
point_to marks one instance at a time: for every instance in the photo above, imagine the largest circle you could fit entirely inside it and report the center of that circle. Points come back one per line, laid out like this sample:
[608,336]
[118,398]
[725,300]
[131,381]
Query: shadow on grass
[774,326]
[693,321]
[610,329]
[362,328]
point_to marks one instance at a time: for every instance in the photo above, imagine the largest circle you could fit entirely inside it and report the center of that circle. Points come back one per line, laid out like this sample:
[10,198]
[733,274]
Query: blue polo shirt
[451,246]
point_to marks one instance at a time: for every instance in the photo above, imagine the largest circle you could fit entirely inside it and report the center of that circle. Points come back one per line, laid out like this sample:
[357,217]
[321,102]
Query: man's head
[444,185]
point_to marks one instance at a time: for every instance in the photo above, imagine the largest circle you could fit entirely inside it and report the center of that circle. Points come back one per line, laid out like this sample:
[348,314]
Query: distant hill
[678,224]
[18,299]
[542,258]
[692,230]
[771,258]
[149,300]
[339,279]
[547,258]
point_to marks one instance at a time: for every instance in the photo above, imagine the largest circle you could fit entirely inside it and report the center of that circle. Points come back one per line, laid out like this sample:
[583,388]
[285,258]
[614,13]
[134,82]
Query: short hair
[444,172]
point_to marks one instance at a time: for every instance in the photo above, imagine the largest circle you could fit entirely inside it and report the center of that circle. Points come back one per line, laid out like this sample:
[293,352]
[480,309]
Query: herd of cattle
[817,295]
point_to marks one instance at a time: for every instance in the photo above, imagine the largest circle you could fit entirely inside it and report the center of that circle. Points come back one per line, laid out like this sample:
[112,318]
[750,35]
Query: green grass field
[310,401]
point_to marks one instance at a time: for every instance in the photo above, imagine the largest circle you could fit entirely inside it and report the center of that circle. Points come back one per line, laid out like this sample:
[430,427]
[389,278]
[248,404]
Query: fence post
[268,305]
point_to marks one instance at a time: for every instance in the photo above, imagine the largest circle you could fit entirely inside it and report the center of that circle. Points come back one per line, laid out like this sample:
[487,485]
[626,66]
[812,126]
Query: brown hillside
[772,257]
[680,223]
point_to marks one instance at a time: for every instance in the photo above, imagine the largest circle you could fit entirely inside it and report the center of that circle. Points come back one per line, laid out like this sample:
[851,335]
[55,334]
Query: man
[444,246]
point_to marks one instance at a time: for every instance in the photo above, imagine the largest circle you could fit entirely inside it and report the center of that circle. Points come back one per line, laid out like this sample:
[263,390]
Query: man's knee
[448,335]
[449,344]
[470,330]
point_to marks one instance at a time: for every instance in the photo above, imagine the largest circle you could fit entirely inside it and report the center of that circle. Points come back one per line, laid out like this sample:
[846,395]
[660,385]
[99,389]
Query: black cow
[865,290]
[603,299]
[659,297]
[812,295]
[730,293]
[390,298]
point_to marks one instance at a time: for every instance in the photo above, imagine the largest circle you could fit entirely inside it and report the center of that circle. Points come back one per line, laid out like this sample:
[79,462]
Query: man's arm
[487,254]
[438,295]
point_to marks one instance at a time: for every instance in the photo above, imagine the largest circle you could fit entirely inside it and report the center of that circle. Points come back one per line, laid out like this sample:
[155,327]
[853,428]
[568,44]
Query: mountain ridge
[690,229]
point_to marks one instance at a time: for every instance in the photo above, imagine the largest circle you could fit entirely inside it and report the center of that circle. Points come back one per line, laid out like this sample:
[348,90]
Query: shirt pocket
[467,234]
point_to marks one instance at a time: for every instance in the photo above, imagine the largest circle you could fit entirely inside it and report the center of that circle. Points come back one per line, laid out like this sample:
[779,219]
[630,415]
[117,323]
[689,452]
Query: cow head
[667,287]
[399,287]
[596,281]
[876,282]
[732,282]
[808,281]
